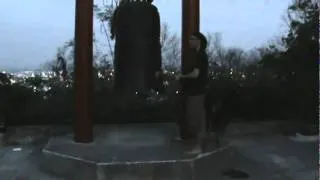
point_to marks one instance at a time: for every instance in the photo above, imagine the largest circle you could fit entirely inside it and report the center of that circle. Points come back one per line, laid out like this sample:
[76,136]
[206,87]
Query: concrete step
[142,152]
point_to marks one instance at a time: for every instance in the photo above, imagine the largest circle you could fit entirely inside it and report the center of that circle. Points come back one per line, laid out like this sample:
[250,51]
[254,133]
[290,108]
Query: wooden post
[190,24]
[83,125]
[196,15]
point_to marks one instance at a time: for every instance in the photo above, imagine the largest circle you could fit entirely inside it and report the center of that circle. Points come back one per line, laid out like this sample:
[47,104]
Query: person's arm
[198,66]
[201,65]
[192,75]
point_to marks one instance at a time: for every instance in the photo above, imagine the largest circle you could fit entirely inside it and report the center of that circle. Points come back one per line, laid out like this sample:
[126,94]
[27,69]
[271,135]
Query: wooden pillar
[190,24]
[83,125]
[196,15]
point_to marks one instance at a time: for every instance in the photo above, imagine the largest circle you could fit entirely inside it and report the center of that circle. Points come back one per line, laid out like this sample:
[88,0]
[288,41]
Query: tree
[299,61]
[297,52]
[4,79]
[105,12]
[233,58]
[219,55]
[252,56]
[215,50]
[170,47]
[303,36]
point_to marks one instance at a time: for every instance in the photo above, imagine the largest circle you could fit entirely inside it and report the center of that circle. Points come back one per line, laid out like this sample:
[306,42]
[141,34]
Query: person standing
[194,84]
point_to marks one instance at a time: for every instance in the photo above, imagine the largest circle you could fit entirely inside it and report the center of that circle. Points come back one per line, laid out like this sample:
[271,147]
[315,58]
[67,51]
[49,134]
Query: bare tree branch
[170,47]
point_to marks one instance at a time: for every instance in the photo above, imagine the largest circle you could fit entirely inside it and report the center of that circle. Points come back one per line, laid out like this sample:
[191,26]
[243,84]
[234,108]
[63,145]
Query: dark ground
[260,150]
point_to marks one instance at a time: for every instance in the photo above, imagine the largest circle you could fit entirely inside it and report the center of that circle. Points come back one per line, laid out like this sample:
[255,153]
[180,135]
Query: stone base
[126,152]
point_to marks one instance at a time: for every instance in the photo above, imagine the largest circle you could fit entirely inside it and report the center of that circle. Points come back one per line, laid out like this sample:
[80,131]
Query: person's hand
[158,73]
[178,77]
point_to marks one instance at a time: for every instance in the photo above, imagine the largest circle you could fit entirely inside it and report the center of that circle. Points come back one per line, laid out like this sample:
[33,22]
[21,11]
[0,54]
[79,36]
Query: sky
[31,31]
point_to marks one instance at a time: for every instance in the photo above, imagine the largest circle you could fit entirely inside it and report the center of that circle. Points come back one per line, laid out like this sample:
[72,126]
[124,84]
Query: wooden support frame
[190,24]
[83,125]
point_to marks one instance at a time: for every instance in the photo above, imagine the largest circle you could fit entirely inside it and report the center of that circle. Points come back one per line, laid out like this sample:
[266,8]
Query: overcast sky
[31,30]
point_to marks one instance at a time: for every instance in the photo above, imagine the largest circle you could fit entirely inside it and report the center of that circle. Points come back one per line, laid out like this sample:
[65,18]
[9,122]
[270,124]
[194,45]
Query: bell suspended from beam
[135,26]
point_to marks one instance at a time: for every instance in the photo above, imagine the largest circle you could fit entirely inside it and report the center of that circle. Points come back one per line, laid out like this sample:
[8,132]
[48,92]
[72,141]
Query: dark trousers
[192,119]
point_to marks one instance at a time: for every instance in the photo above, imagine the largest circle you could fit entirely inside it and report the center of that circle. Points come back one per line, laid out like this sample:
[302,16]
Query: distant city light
[100,75]
[108,74]
[13,81]
[46,88]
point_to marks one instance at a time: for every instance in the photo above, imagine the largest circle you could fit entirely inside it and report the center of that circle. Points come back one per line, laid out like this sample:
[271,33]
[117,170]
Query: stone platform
[127,152]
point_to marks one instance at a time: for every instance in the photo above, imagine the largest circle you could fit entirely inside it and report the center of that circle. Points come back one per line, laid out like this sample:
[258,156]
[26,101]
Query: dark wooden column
[83,123]
[196,15]
[190,24]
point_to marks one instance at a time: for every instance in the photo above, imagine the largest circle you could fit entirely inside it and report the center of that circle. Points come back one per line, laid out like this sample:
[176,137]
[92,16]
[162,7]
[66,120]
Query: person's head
[198,40]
